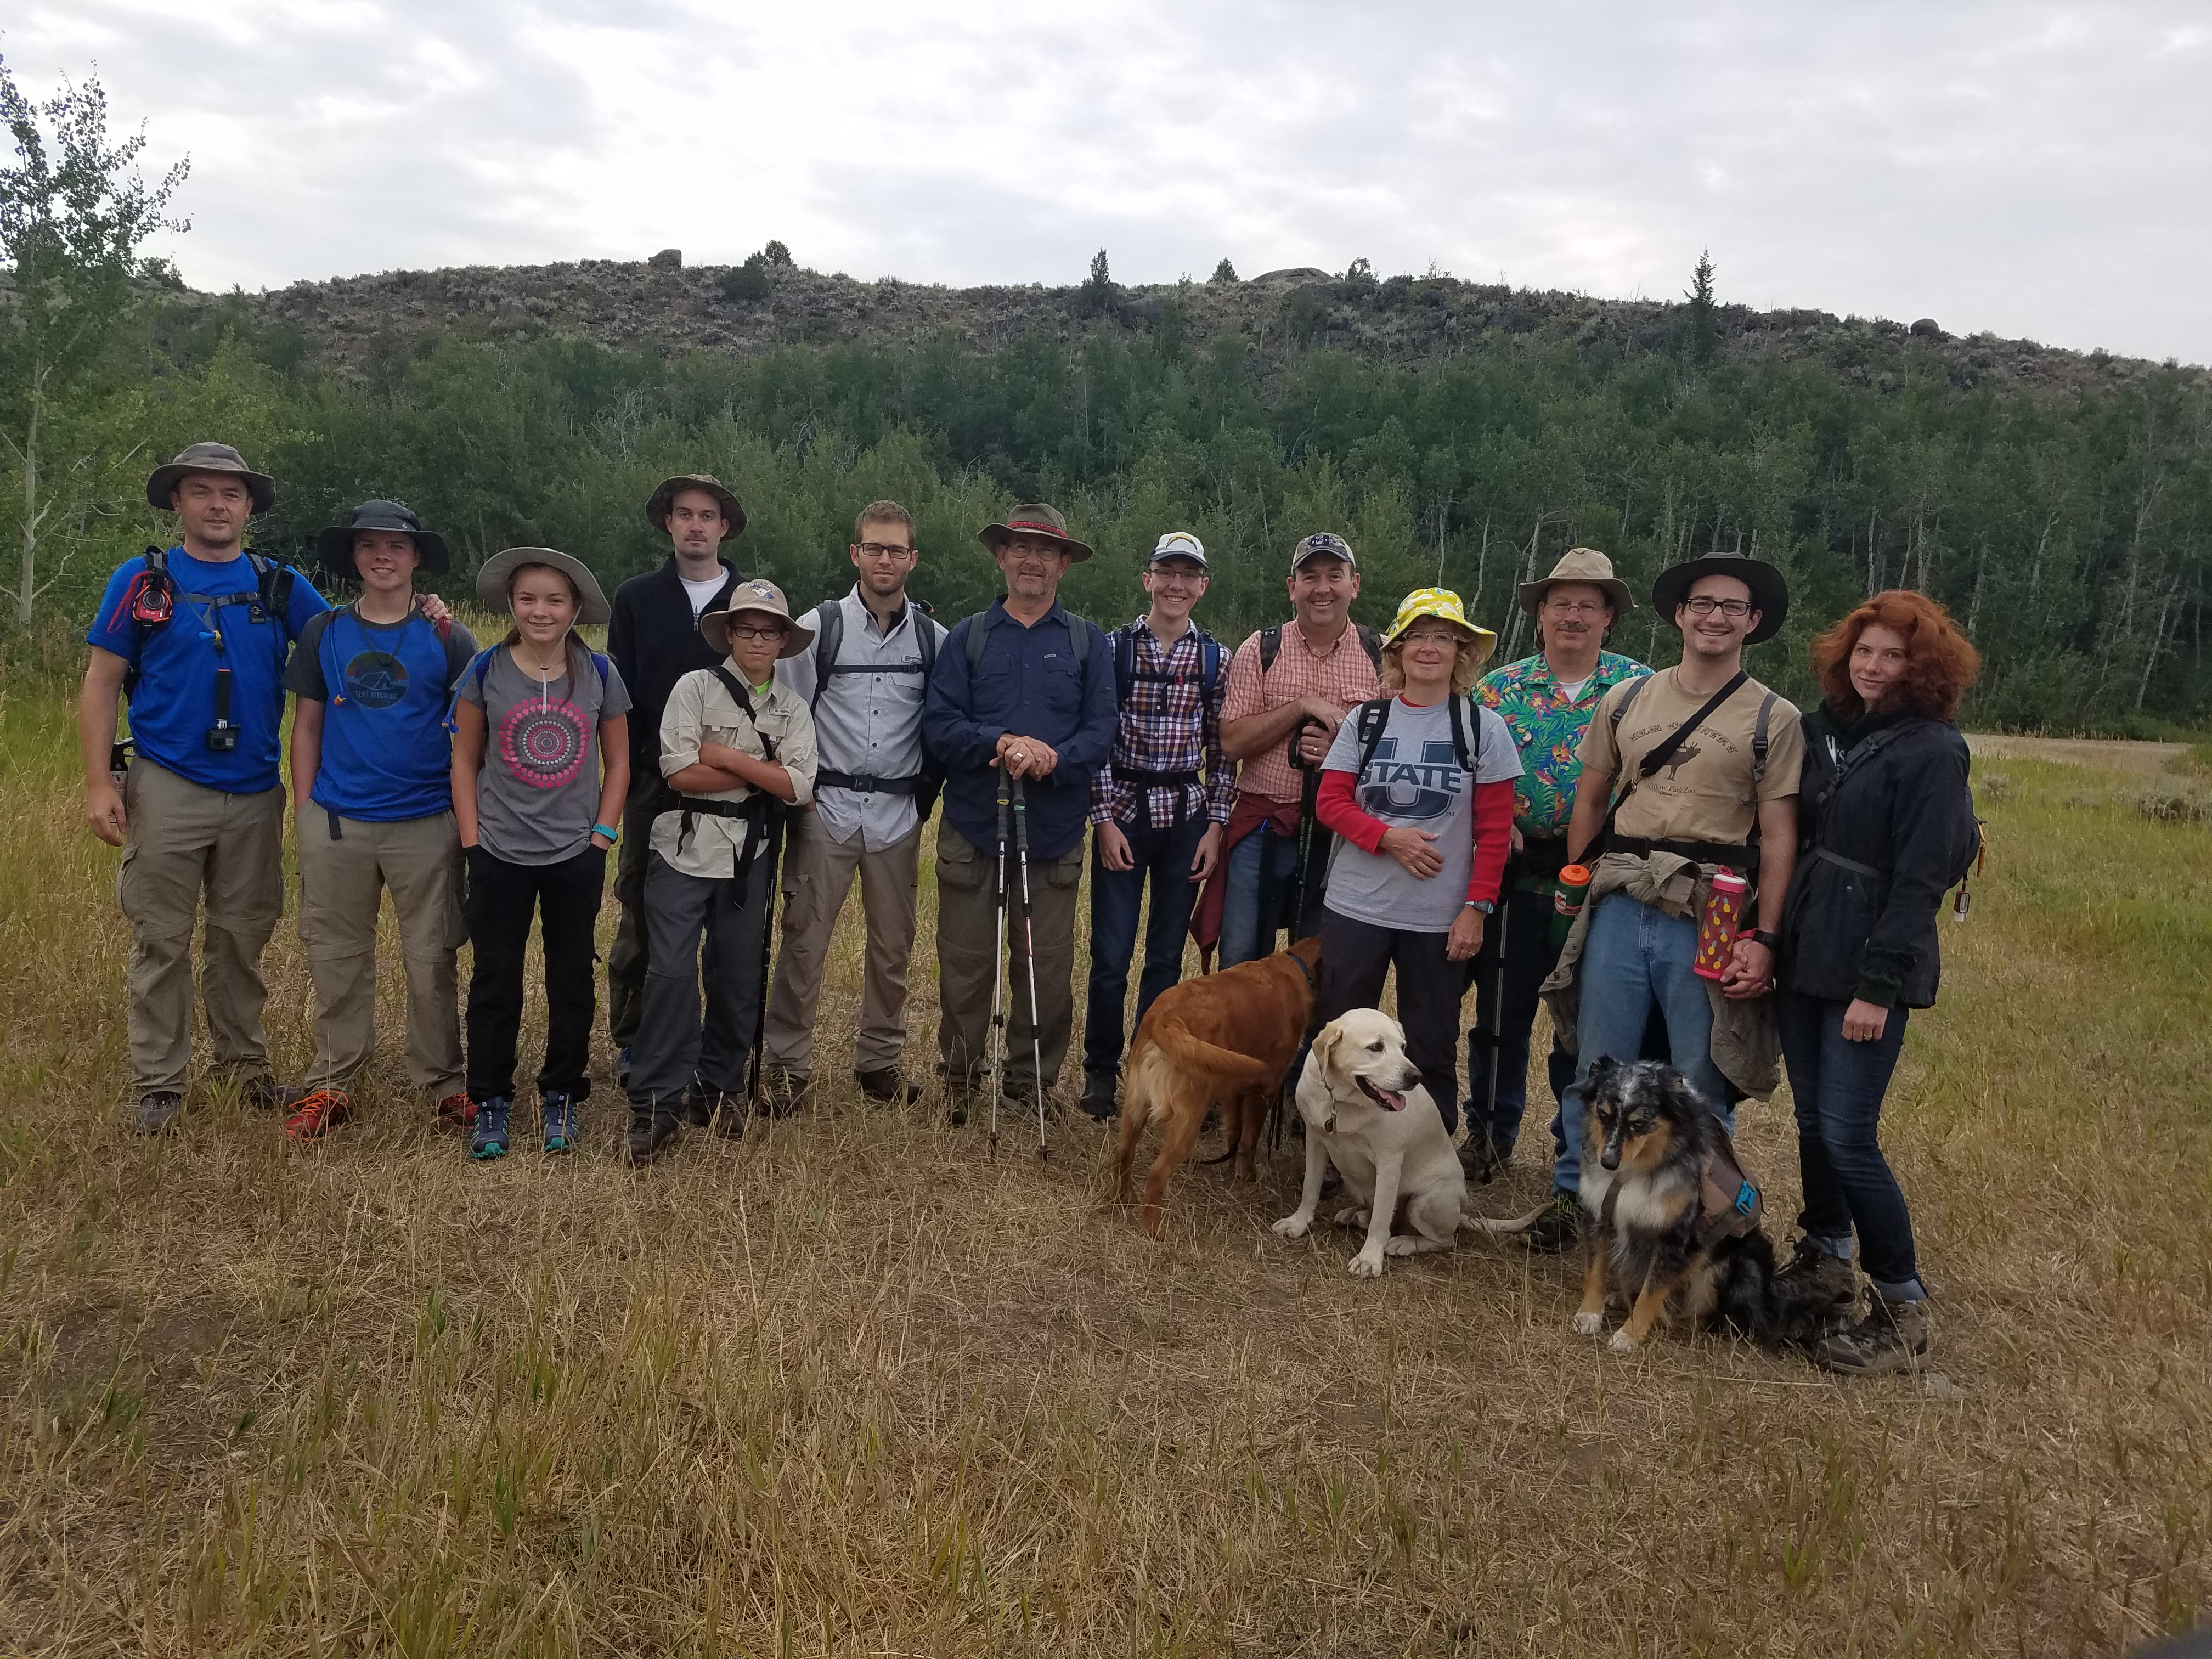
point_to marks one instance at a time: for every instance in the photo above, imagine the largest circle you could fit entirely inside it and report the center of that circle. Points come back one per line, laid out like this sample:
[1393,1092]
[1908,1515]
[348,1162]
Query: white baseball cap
[1179,544]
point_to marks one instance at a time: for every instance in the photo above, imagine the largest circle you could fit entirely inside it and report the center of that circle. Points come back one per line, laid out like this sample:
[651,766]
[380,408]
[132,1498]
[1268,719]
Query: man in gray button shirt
[865,679]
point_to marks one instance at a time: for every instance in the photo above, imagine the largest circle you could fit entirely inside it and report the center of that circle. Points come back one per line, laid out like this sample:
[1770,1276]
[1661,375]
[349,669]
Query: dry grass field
[847,1388]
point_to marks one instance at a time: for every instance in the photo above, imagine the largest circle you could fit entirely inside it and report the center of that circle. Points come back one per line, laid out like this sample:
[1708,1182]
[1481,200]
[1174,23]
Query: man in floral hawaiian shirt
[1546,702]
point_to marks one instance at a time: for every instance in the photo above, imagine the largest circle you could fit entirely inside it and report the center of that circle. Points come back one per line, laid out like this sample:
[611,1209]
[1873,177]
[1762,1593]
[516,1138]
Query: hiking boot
[1560,1226]
[1478,1158]
[1891,1336]
[1097,1101]
[696,1108]
[265,1094]
[490,1138]
[455,1111]
[1818,1280]
[887,1087]
[316,1115]
[729,1114]
[651,1127]
[562,1116]
[782,1094]
[158,1111]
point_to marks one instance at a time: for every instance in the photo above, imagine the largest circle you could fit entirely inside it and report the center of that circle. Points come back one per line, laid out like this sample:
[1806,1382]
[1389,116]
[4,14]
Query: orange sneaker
[456,1111]
[318,1114]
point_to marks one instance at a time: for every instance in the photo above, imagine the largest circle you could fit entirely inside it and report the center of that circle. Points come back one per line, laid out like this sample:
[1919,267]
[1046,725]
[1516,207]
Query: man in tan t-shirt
[1734,771]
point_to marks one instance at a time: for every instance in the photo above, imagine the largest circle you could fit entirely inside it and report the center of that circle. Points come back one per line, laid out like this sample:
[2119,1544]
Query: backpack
[1078,639]
[1373,717]
[829,636]
[1127,673]
[151,602]
[1759,739]
[1271,645]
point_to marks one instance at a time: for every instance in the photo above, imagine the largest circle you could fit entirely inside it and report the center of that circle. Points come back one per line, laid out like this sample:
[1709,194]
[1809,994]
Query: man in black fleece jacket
[654,641]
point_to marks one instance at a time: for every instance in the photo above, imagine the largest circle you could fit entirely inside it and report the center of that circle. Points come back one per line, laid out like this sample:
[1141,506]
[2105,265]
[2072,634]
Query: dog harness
[1729,1206]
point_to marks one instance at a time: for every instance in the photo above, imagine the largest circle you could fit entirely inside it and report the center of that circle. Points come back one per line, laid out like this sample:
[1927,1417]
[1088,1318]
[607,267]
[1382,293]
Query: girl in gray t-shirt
[541,764]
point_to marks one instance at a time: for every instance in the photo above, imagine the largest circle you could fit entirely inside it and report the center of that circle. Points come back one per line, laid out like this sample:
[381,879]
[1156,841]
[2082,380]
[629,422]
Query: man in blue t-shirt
[372,775]
[196,636]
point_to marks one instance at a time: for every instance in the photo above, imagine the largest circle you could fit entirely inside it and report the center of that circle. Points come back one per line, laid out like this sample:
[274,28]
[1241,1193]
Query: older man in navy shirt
[1027,686]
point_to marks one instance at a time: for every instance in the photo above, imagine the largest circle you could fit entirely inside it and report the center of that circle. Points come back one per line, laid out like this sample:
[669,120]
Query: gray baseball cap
[1323,545]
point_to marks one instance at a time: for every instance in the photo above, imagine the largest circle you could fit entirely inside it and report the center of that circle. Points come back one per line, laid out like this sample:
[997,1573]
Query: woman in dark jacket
[1884,819]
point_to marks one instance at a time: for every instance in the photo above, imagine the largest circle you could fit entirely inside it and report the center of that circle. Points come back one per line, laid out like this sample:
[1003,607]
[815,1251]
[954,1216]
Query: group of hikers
[1377,789]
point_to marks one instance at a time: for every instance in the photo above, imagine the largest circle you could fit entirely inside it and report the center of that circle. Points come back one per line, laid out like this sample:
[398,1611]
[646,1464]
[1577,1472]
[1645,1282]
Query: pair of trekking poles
[1013,801]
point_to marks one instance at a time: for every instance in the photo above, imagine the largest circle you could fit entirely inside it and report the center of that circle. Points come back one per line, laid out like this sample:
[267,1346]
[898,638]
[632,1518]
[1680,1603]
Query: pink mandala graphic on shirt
[543,743]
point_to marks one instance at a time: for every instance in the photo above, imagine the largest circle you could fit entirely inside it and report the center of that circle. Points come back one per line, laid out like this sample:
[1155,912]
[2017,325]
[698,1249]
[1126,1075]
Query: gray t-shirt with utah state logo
[537,791]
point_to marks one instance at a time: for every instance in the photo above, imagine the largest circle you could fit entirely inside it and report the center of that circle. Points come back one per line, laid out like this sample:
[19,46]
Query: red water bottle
[1716,924]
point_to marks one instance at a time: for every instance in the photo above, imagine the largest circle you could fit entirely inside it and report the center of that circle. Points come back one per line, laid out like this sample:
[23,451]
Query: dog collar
[1299,962]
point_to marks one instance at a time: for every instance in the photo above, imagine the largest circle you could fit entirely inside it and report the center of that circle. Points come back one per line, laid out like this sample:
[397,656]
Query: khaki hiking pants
[966,935]
[817,876]
[188,844]
[342,878]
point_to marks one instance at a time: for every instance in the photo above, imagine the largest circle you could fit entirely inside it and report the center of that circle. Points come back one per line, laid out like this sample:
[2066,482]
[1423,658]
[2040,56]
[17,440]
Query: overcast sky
[2039,171]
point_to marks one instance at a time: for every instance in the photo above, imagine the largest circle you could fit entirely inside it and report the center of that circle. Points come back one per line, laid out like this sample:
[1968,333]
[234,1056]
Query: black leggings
[501,899]
[1357,955]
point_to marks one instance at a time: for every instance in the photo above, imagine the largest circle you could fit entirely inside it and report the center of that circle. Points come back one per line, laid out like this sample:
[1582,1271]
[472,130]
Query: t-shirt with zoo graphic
[1704,791]
[537,791]
[386,757]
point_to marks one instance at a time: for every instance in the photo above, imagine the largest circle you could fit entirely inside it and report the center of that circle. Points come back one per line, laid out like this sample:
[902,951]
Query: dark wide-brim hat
[763,596]
[1769,590]
[498,571]
[1033,518]
[209,457]
[334,546]
[665,492]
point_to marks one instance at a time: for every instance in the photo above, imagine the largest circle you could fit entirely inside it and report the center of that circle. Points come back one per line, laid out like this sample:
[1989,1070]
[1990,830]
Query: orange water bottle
[1572,888]
[1717,924]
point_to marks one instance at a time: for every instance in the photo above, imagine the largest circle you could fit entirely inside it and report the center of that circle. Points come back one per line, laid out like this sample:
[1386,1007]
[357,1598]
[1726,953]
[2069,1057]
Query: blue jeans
[1524,922]
[1837,1089]
[1161,857]
[1262,871]
[1634,959]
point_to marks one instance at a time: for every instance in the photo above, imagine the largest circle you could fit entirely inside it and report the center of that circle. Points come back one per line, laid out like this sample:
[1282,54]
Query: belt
[1540,855]
[1851,865]
[1701,852]
[867,783]
[1154,780]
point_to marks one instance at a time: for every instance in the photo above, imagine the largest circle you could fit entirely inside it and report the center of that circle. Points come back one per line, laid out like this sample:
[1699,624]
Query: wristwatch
[1487,906]
[1772,940]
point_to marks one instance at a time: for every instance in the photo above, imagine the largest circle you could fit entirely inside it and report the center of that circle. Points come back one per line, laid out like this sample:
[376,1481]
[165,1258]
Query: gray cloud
[2023,168]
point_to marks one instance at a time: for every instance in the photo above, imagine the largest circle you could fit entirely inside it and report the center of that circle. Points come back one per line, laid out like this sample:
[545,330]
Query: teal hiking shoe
[563,1116]
[490,1138]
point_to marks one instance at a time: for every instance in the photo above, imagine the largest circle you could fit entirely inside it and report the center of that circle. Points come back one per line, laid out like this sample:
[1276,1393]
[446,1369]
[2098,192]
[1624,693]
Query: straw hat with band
[334,546]
[1444,605]
[1578,564]
[756,594]
[665,492]
[1034,519]
[210,458]
[1770,589]
[497,575]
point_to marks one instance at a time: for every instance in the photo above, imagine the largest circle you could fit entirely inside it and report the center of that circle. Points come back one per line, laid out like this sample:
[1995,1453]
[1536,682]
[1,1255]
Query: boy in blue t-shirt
[372,773]
[196,636]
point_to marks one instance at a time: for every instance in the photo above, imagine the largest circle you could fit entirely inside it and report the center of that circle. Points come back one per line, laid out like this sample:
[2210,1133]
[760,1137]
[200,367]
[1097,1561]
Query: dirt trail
[2105,755]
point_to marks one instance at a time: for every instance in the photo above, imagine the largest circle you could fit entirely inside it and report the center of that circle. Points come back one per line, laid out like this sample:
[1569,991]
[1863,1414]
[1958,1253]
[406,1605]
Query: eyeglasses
[883,550]
[748,631]
[1703,605]
[1575,607]
[1432,639]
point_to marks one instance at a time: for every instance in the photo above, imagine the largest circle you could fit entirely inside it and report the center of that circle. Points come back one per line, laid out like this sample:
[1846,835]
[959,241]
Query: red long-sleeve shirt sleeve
[1337,808]
[1493,838]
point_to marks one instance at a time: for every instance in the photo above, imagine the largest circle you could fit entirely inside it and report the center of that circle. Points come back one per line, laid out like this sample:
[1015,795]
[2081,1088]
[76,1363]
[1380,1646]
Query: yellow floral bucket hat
[1444,605]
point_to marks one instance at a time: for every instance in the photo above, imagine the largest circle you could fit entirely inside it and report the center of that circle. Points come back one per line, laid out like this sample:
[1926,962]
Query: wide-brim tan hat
[1770,588]
[498,572]
[1034,519]
[210,458]
[665,492]
[1578,564]
[756,594]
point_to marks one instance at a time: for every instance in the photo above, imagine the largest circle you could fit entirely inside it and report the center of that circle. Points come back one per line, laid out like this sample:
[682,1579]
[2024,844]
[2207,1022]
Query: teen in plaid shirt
[1154,818]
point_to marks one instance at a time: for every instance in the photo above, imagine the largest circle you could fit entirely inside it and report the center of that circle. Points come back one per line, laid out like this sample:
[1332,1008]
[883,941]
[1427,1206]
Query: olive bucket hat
[334,546]
[1770,589]
[1034,519]
[756,594]
[210,458]
[497,573]
[1578,564]
[665,492]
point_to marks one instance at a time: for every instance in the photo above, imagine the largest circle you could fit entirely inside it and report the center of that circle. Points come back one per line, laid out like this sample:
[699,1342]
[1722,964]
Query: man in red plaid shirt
[1154,817]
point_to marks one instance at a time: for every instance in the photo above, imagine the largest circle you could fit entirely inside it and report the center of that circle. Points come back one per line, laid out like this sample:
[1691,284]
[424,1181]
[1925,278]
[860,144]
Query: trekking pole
[998,973]
[1309,802]
[1029,954]
[775,851]
[1496,1021]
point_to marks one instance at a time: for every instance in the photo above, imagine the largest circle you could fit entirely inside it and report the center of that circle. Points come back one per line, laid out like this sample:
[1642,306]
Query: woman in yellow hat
[1418,790]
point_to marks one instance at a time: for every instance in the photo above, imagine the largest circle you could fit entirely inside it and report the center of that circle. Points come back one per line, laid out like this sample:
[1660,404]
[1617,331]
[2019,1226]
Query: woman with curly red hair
[1885,820]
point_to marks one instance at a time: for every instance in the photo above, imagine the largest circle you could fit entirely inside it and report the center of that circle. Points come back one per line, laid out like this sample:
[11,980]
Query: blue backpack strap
[479,666]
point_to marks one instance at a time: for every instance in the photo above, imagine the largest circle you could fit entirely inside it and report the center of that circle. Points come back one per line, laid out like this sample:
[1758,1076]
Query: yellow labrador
[1366,1112]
